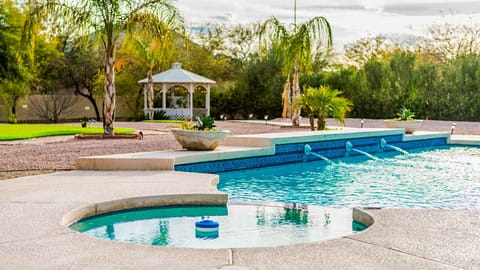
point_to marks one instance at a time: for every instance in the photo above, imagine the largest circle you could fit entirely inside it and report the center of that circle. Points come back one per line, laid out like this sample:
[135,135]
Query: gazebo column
[207,100]
[145,88]
[164,97]
[191,89]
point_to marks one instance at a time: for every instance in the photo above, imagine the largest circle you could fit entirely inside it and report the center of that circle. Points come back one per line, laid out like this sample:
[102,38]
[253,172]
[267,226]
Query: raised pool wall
[293,152]
[269,149]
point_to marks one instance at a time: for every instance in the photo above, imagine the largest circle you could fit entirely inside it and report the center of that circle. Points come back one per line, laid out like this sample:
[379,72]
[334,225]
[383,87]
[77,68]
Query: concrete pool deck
[37,209]
[34,236]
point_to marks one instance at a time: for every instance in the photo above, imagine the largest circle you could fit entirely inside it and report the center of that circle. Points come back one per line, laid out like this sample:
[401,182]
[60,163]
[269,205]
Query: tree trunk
[109,96]
[88,95]
[94,104]
[295,95]
[90,98]
[150,94]
[321,122]
[311,117]
[286,99]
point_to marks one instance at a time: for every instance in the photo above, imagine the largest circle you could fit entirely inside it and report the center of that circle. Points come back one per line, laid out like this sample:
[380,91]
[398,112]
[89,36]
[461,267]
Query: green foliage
[324,102]
[105,22]
[12,118]
[28,131]
[83,67]
[257,92]
[187,124]
[205,122]
[444,91]
[296,45]
[436,81]
[160,115]
[405,114]
[15,65]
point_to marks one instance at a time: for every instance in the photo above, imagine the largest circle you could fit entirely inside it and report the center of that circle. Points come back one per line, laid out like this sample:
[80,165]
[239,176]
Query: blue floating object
[206,229]
[206,223]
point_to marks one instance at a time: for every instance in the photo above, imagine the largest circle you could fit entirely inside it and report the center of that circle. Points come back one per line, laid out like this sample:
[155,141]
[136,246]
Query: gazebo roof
[178,75]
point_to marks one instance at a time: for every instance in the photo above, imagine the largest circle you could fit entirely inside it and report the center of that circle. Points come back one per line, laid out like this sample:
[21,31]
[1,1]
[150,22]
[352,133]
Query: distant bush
[160,115]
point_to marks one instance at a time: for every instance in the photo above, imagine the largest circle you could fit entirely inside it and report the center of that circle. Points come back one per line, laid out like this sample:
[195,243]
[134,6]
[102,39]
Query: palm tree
[297,46]
[156,49]
[304,102]
[323,102]
[106,21]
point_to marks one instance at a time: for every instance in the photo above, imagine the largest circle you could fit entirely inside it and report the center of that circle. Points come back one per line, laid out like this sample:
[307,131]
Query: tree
[324,102]
[105,21]
[14,72]
[236,41]
[365,49]
[447,42]
[126,83]
[298,46]
[207,54]
[53,107]
[156,49]
[83,63]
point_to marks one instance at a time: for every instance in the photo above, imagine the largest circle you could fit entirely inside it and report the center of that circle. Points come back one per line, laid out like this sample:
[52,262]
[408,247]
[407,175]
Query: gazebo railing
[182,113]
[177,113]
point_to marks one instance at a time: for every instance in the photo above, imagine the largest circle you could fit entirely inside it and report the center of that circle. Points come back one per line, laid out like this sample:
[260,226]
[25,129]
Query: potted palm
[405,119]
[323,102]
[201,136]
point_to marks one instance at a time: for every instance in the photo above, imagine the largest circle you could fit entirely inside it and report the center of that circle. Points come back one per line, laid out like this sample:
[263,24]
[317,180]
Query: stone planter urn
[409,125]
[199,139]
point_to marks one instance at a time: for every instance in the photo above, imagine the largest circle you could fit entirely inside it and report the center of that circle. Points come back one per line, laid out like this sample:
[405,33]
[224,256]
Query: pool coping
[35,210]
[239,147]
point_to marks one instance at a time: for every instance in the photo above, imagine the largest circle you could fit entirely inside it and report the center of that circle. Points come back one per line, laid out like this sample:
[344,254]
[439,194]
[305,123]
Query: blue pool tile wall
[292,153]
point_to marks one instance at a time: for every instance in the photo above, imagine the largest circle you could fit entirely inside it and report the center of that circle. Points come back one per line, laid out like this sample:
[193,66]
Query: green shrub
[205,122]
[160,115]
[12,118]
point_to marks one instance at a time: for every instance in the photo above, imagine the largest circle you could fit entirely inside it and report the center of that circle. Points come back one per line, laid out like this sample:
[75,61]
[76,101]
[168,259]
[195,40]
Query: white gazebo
[180,107]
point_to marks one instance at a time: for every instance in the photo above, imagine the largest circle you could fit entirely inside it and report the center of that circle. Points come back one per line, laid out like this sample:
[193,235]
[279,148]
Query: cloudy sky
[350,19]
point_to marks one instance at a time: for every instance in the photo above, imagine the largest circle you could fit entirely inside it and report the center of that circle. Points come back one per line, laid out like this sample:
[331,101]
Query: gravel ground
[43,155]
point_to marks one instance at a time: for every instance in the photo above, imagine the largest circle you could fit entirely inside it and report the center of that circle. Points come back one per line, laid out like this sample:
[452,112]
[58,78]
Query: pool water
[441,178]
[239,225]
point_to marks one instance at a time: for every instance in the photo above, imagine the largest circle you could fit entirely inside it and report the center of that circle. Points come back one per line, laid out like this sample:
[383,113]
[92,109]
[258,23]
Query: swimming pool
[441,178]
[238,225]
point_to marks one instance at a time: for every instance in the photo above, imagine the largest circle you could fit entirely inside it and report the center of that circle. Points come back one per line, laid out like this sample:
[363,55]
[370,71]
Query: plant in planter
[201,136]
[323,102]
[84,121]
[405,119]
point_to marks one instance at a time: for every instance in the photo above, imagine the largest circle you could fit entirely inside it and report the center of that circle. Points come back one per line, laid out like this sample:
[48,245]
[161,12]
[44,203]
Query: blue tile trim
[292,153]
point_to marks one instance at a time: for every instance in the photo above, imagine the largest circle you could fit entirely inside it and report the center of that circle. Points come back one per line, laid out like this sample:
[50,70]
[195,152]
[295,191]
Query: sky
[350,19]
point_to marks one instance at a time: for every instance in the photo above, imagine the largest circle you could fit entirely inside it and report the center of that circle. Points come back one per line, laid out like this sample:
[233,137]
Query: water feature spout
[307,150]
[349,147]
[383,144]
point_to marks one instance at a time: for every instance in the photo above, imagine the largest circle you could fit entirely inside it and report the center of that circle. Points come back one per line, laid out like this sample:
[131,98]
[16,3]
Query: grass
[10,132]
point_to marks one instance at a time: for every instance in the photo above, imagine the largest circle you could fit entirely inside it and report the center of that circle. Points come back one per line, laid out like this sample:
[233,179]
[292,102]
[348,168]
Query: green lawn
[27,131]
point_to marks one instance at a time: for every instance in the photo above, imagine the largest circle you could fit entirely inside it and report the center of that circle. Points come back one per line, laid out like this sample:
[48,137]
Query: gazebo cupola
[179,107]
